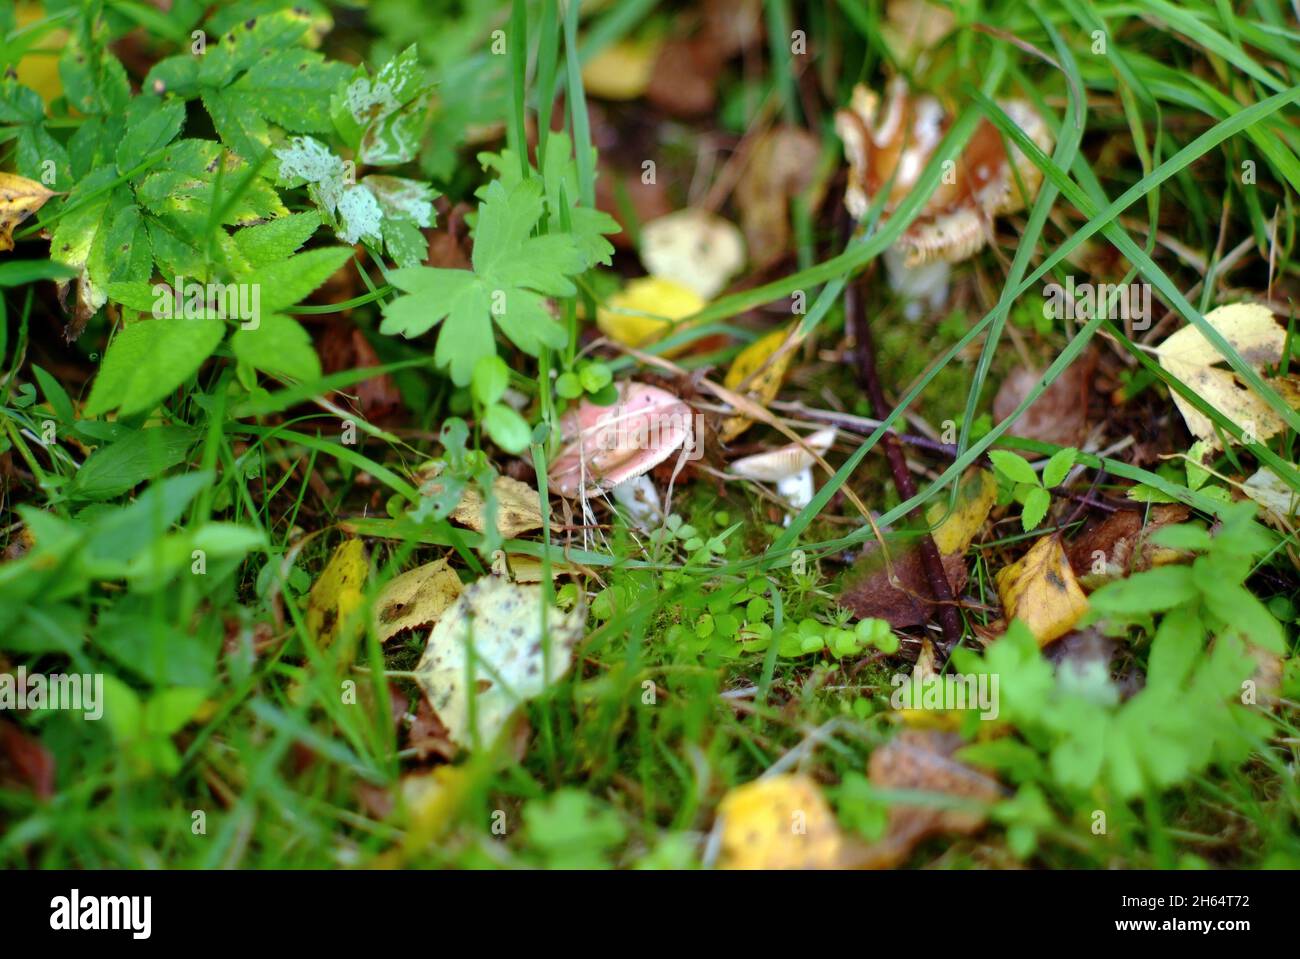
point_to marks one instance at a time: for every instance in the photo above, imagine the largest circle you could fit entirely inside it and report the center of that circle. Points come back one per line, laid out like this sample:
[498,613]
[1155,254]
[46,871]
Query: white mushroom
[788,467]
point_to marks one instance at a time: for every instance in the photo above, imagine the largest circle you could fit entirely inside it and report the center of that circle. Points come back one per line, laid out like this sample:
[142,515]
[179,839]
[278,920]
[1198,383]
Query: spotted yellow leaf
[757,371]
[1254,333]
[519,507]
[1040,590]
[19,199]
[502,622]
[338,592]
[782,822]
[415,598]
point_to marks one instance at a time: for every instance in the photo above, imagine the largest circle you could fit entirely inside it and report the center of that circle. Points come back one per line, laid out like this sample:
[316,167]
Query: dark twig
[945,612]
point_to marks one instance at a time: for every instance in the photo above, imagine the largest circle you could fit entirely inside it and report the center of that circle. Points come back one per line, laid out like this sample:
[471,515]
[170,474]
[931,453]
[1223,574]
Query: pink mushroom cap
[607,445]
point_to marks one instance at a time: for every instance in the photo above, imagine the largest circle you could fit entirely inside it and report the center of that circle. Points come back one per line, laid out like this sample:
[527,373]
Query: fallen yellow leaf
[1253,332]
[760,379]
[1040,590]
[621,71]
[956,529]
[782,822]
[511,663]
[519,508]
[415,598]
[646,310]
[337,592]
[19,199]
[39,67]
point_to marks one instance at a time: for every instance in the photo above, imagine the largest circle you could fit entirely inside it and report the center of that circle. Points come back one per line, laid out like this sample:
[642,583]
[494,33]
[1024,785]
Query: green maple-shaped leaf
[513,273]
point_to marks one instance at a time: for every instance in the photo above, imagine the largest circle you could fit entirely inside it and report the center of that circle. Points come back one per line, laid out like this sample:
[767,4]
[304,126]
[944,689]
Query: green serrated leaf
[148,360]
[277,344]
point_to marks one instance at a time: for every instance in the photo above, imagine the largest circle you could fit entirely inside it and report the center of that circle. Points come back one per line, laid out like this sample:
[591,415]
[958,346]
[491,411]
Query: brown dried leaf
[344,347]
[870,594]
[685,79]
[24,760]
[1120,545]
[919,759]
[1059,415]
[782,166]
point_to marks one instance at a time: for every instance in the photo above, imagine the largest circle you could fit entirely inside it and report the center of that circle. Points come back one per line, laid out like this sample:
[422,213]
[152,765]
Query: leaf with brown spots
[337,593]
[1040,590]
[502,623]
[1259,339]
[415,598]
[19,199]
[519,508]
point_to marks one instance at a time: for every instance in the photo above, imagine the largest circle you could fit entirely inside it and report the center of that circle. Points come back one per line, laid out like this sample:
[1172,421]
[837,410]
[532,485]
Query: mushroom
[615,447]
[695,248]
[789,467]
[888,145]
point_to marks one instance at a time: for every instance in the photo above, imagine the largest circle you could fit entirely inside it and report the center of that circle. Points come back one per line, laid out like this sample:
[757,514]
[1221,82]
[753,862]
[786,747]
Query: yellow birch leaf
[519,507]
[1253,332]
[956,529]
[1040,590]
[761,379]
[415,598]
[782,822]
[337,592]
[19,199]
[646,310]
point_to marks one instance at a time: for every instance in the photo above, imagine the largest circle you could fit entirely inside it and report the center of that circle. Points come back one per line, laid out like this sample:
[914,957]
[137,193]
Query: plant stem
[945,612]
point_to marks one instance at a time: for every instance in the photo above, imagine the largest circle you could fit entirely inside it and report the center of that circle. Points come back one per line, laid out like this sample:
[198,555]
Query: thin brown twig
[945,610]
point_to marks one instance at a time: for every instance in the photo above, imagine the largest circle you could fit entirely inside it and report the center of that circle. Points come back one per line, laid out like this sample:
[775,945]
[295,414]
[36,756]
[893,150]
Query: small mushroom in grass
[788,467]
[614,448]
[888,144]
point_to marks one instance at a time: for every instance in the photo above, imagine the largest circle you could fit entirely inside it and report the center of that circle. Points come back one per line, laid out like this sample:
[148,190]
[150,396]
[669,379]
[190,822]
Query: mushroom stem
[640,499]
[796,490]
[921,287]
